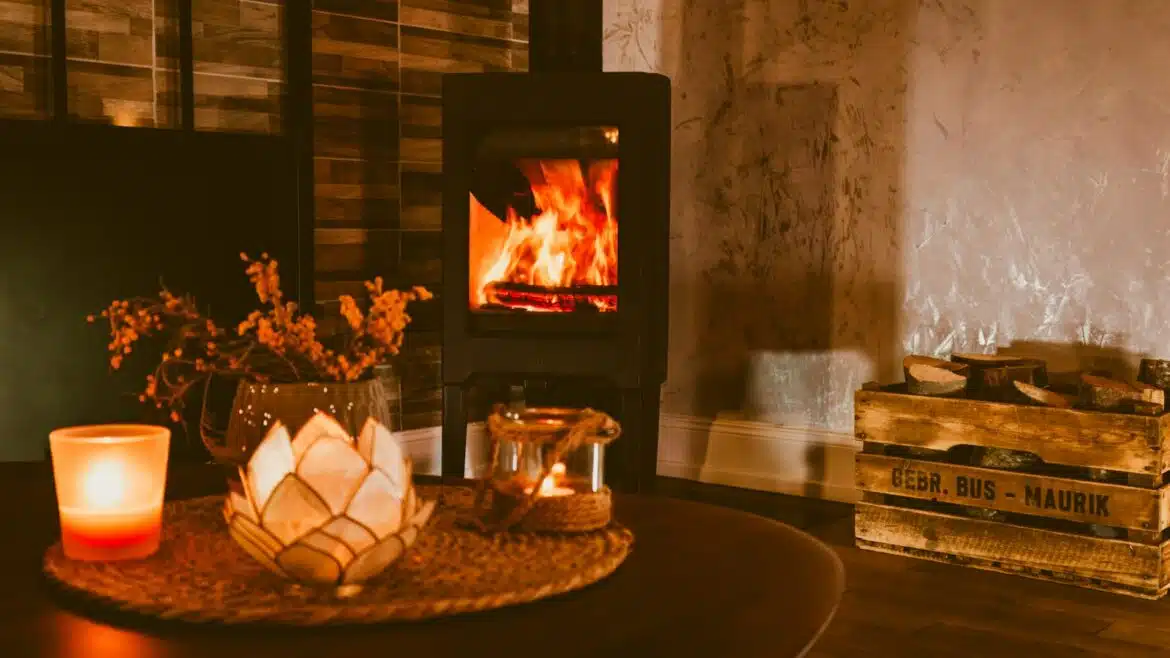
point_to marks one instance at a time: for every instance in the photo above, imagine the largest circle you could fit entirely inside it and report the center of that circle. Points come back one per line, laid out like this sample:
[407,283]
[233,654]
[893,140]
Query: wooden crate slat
[1009,491]
[1120,442]
[1107,564]
[1164,507]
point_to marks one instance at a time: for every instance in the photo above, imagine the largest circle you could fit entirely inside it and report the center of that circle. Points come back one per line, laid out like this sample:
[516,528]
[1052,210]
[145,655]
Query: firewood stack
[1024,380]
[1027,381]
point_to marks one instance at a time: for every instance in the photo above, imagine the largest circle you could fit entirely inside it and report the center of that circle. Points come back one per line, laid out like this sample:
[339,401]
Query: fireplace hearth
[555,229]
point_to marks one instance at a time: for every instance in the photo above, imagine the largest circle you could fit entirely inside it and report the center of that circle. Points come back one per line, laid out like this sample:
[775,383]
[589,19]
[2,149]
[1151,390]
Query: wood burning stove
[555,229]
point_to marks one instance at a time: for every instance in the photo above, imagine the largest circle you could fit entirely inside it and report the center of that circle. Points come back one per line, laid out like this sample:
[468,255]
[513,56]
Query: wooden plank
[237,104]
[1060,436]
[1139,634]
[24,12]
[422,258]
[327,292]
[459,17]
[386,10]
[422,200]
[21,78]
[1164,430]
[1007,491]
[1164,571]
[428,54]
[1164,508]
[1092,562]
[363,253]
[111,94]
[231,41]
[421,150]
[355,52]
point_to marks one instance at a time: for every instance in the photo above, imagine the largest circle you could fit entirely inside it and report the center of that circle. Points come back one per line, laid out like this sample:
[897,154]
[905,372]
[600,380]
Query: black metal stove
[555,229]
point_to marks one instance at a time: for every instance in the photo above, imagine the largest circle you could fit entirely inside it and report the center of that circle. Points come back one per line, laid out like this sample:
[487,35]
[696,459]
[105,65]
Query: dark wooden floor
[905,608]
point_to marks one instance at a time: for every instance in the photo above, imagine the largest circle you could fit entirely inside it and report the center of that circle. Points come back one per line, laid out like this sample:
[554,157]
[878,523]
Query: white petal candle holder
[324,509]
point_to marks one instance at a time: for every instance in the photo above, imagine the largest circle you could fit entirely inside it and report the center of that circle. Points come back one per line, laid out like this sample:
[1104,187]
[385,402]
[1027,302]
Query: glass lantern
[531,452]
[547,470]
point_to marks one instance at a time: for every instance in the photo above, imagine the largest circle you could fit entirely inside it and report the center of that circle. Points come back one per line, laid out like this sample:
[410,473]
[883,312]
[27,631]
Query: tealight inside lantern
[110,482]
[530,455]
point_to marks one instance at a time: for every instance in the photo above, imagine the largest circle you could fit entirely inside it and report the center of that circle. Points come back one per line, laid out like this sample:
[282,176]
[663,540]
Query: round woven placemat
[200,575]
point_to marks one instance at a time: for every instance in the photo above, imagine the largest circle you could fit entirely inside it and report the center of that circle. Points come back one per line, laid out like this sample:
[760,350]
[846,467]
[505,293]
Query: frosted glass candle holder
[110,483]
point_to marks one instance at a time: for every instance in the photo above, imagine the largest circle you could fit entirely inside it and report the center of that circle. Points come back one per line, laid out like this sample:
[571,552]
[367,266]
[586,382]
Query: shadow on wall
[789,147]
[787,175]
[766,286]
[1067,357]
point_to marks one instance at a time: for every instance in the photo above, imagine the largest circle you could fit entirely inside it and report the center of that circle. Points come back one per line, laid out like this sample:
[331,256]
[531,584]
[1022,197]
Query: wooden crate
[1101,474]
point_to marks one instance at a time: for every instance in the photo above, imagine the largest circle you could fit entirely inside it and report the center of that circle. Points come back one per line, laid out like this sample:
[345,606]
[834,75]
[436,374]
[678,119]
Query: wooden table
[702,581]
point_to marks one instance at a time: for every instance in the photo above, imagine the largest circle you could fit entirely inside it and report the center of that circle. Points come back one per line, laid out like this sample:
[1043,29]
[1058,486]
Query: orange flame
[553,485]
[571,243]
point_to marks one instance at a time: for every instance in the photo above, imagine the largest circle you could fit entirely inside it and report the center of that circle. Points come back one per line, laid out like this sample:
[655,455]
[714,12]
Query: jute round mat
[200,575]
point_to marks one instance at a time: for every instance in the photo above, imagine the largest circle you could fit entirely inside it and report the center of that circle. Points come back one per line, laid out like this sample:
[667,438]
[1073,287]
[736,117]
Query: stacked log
[1026,380]
[927,375]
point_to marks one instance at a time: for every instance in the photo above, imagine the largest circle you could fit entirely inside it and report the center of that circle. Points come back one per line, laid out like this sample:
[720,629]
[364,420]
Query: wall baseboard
[727,450]
[733,451]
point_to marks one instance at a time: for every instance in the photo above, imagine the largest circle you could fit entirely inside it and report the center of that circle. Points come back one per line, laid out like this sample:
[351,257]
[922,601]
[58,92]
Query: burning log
[521,296]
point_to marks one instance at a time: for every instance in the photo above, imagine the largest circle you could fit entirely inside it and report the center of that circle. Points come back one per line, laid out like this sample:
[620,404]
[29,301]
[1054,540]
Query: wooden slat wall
[122,65]
[239,64]
[24,63]
[377,66]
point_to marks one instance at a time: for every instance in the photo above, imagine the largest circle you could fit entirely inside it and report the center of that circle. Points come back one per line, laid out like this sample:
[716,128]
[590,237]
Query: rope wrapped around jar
[560,432]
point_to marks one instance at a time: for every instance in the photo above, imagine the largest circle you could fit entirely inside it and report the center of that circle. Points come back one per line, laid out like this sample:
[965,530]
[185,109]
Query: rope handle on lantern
[590,425]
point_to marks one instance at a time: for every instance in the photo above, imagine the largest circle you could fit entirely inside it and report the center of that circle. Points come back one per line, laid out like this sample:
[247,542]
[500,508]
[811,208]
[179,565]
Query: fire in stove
[544,236]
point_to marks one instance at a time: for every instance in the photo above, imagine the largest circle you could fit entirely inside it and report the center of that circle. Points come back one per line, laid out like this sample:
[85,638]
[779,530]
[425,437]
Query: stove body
[556,209]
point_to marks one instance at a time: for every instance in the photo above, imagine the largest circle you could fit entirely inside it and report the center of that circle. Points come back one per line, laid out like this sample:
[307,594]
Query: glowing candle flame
[104,484]
[550,486]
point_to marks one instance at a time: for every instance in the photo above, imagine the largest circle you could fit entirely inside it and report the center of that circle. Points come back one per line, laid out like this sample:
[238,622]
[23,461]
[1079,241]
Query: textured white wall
[857,179]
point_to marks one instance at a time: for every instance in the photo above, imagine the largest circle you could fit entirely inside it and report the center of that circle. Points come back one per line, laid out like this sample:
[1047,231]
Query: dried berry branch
[273,344]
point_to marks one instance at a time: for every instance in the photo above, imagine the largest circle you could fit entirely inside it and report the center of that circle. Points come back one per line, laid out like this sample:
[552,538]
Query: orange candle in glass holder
[110,482]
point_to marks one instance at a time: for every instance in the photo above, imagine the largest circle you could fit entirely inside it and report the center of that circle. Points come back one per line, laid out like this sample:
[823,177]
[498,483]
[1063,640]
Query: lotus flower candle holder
[324,509]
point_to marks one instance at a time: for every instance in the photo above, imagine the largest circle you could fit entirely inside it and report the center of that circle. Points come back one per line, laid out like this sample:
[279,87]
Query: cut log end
[986,360]
[1044,396]
[1105,394]
[998,382]
[992,376]
[921,360]
[1151,394]
[922,379]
